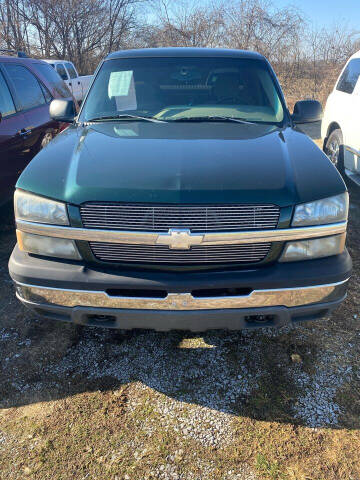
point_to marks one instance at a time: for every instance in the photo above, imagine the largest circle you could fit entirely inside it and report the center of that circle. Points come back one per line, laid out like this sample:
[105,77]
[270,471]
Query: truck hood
[182,163]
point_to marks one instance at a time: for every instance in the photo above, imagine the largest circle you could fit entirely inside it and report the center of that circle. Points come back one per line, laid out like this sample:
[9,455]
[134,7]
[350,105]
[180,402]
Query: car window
[7,106]
[349,77]
[27,87]
[61,71]
[47,94]
[53,79]
[71,70]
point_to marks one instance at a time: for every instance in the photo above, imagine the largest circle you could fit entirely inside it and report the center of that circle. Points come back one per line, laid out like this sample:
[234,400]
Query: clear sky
[324,12]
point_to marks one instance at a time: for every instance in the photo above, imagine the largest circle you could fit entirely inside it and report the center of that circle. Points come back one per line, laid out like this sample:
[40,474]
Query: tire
[42,142]
[334,149]
[46,139]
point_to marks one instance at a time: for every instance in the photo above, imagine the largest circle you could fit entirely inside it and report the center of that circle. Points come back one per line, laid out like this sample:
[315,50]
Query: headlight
[39,209]
[314,248]
[329,210]
[48,246]
[33,208]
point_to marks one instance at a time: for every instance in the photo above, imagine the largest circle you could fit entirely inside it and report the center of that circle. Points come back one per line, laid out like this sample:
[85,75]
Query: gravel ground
[195,388]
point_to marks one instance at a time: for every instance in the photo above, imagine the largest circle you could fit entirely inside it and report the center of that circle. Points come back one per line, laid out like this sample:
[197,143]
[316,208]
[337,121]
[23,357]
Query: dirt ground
[82,403]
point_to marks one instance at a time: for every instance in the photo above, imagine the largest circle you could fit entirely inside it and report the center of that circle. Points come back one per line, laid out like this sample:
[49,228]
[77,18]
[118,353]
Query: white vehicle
[340,129]
[67,71]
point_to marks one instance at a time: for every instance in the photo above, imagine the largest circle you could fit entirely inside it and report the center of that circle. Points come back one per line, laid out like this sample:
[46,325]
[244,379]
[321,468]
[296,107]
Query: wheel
[334,149]
[46,139]
[42,142]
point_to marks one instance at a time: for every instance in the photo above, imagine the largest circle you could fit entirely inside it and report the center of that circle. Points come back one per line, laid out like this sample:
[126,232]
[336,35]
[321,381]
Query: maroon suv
[27,86]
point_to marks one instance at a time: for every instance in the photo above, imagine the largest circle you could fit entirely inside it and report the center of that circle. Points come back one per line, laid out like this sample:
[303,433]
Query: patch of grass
[348,397]
[276,391]
[268,469]
[273,399]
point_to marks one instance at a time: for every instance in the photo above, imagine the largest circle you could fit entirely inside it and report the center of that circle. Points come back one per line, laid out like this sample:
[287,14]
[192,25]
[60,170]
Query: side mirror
[63,110]
[307,111]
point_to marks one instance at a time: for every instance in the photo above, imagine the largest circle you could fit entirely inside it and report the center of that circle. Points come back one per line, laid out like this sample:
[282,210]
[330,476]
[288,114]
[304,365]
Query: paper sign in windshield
[119,83]
[121,87]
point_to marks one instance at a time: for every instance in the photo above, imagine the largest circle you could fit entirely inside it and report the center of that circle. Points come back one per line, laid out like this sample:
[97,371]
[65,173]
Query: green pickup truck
[182,196]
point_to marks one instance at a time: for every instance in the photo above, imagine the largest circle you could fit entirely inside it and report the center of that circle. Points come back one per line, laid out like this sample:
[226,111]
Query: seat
[231,89]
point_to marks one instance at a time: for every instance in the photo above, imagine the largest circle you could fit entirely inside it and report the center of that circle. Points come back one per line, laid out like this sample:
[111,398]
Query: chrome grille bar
[251,253]
[197,218]
[182,241]
[206,239]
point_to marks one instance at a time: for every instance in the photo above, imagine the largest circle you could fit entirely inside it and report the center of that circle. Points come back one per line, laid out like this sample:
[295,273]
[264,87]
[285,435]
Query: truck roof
[184,52]
[355,55]
[51,60]
[24,60]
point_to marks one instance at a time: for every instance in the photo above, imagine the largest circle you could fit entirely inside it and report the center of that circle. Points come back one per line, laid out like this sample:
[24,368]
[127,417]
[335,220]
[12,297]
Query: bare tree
[80,30]
[180,24]
[13,28]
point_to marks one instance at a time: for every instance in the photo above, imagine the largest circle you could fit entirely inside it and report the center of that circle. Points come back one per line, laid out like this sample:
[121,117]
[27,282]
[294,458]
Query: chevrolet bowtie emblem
[179,239]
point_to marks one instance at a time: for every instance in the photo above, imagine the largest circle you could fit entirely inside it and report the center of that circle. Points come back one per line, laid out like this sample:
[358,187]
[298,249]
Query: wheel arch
[332,126]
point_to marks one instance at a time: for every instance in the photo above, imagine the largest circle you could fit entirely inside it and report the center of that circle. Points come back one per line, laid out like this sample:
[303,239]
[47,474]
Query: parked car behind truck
[340,128]
[76,83]
[181,197]
[27,86]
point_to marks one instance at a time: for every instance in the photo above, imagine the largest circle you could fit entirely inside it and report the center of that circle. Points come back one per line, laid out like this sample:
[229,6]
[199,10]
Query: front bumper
[271,296]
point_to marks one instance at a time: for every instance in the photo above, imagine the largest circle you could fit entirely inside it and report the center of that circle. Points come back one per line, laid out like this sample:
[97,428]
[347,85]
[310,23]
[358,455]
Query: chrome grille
[111,252]
[197,218]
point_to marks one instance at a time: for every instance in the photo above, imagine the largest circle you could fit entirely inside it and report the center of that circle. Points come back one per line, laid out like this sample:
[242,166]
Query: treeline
[306,59]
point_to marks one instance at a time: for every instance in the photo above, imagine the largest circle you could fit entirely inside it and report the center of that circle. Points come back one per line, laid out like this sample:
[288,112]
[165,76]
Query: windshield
[176,88]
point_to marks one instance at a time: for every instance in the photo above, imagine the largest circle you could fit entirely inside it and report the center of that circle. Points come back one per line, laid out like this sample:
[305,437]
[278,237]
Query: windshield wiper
[214,118]
[125,116]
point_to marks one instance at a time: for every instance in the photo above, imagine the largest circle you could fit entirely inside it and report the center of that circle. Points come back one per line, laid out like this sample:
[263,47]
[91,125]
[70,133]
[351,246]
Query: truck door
[61,70]
[353,161]
[12,146]
[348,110]
[75,82]
[31,100]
